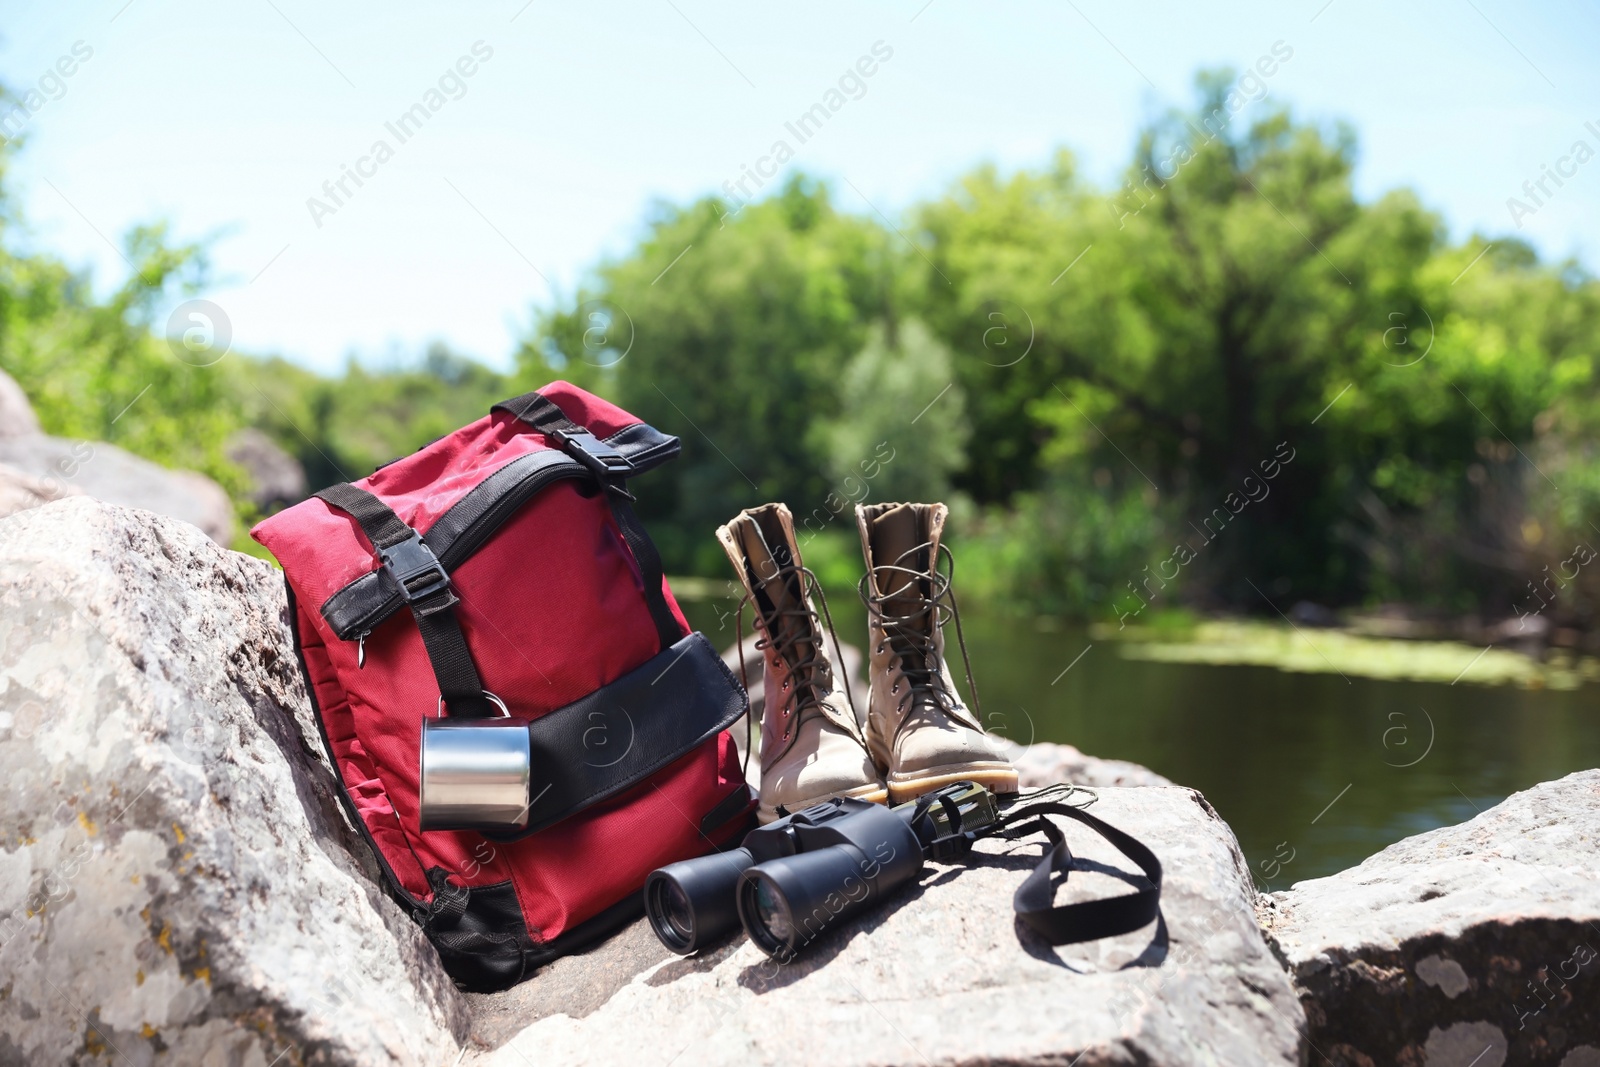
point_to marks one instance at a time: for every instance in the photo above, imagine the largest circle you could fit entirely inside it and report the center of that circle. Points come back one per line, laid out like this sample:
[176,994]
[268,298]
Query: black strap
[364,604]
[1084,920]
[611,469]
[426,589]
[537,411]
[618,736]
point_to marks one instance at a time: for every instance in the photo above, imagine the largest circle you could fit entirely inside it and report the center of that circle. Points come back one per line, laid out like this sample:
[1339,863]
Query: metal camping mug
[474,773]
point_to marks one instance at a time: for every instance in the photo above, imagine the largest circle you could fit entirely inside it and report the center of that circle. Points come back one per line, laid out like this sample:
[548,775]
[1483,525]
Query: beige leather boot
[811,743]
[918,729]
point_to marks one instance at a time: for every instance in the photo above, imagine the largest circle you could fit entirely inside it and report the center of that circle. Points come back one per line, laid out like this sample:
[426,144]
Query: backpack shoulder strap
[425,587]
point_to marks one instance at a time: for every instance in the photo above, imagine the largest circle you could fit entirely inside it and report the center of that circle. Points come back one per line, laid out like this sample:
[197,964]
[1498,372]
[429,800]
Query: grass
[1271,644]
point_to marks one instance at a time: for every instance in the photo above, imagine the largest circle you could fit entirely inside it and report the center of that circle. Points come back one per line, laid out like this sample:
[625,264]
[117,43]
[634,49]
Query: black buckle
[606,462]
[949,848]
[416,570]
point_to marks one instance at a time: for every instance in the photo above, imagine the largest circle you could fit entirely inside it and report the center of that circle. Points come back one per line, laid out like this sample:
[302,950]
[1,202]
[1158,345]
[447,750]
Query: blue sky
[226,119]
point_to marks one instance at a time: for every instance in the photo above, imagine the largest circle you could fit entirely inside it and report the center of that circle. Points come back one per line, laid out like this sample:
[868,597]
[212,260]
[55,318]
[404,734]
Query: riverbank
[1348,652]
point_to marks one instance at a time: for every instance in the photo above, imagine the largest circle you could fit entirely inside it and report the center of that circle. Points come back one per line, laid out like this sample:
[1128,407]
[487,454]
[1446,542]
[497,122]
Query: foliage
[1228,382]
[94,371]
[740,327]
[1233,297]
[341,429]
[894,410]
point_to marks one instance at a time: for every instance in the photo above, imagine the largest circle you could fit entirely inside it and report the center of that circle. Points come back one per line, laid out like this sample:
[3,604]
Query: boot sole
[873,794]
[997,777]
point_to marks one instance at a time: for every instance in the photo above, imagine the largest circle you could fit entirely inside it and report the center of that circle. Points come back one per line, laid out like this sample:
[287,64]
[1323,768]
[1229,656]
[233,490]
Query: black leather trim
[479,933]
[739,802]
[645,446]
[364,604]
[619,735]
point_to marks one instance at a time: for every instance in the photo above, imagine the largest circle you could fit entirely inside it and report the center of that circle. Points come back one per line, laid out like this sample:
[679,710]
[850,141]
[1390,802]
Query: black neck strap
[1084,920]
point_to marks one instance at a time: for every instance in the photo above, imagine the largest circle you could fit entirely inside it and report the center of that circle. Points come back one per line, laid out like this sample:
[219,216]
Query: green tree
[731,329]
[901,427]
[1231,298]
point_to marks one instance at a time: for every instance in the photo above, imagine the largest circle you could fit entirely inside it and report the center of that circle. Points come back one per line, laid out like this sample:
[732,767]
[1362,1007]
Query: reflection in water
[1314,772]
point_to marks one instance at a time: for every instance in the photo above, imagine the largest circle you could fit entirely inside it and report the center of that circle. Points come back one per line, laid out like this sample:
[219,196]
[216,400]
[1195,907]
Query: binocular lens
[675,910]
[691,903]
[772,913]
[788,902]
[821,865]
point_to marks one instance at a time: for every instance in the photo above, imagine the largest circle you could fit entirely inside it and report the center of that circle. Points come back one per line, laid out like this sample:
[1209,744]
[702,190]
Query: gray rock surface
[19,491]
[1471,944]
[944,975]
[16,414]
[277,478]
[177,883]
[1045,762]
[108,473]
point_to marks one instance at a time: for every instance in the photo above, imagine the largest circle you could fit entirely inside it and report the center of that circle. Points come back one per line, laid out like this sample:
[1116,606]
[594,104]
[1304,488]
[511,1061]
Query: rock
[1044,762]
[108,473]
[1477,943]
[177,883]
[16,414]
[19,491]
[277,477]
[944,973]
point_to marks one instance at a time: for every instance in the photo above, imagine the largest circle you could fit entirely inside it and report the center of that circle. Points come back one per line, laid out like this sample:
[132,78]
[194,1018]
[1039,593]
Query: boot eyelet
[895,688]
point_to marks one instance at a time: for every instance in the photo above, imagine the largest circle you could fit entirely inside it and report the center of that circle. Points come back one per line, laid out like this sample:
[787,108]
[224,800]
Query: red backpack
[503,566]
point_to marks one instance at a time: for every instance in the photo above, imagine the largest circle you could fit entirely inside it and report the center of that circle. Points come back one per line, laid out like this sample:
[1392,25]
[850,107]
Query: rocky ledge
[177,883]
[1472,944]
[178,886]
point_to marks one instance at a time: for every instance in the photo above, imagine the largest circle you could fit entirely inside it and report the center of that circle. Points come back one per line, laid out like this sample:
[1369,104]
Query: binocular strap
[1086,920]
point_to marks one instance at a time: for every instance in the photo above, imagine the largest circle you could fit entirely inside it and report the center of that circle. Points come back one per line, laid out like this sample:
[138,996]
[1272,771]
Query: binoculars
[795,878]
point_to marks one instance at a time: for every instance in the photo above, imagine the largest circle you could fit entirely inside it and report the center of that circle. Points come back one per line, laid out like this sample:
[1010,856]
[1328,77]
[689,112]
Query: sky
[227,120]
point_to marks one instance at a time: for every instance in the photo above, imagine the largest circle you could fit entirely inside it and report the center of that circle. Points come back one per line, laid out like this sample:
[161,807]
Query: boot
[918,729]
[812,748]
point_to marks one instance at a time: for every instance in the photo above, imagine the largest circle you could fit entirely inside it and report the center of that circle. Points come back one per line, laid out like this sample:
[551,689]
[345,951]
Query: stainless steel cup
[474,774]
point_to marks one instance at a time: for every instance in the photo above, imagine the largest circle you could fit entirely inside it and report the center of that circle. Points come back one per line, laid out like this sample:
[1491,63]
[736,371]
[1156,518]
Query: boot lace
[801,698]
[913,636]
